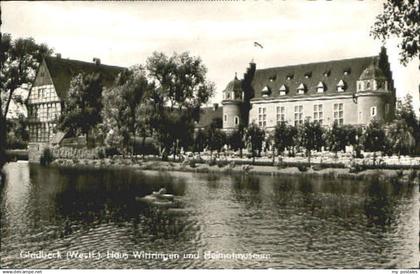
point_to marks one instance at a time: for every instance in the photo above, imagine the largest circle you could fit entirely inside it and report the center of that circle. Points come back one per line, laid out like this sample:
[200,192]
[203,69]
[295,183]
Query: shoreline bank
[407,176]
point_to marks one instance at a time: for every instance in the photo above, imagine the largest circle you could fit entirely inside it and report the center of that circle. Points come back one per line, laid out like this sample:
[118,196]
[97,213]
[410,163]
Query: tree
[400,18]
[83,105]
[200,141]
[404,131]
[340,136]
[19,61]
[374,139]
[311,137]
[124,106]
[405,111]
[216,138]
[255,137]
[17,133]
[336,138]
[236,139]
[352,136]
[284,137]
[180,90]
[401,137]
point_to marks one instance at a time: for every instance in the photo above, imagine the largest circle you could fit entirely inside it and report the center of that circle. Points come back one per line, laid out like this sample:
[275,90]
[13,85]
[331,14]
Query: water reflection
[300,221]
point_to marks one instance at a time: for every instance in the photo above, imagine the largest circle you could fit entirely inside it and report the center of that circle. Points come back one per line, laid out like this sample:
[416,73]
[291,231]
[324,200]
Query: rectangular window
[298,115]
[281,114]
[386,108]
[262,117]
[338,113]
[318,113]
[373,111]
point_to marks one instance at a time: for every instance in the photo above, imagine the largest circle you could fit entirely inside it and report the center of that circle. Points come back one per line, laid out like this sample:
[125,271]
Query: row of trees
[400,137]
[161,99]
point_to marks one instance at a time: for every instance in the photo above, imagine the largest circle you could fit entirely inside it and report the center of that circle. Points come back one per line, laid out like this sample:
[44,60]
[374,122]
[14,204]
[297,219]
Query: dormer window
[341,86]
[283,90]
[308,75]
[266,91]
[301,89]
[272,78]
[347,71]
[289,77]
[320,88]
[327,73]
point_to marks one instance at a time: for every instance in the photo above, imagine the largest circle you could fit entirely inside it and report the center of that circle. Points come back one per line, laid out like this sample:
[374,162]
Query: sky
[221,33]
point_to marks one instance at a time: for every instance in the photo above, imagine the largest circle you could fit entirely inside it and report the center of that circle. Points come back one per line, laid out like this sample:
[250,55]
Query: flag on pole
[256,44]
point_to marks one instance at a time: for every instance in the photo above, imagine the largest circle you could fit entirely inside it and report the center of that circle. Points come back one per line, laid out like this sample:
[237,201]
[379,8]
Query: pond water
[283,222]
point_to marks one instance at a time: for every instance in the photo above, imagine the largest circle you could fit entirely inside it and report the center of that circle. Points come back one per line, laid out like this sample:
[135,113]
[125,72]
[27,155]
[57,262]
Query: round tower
[374,100]
[233,98]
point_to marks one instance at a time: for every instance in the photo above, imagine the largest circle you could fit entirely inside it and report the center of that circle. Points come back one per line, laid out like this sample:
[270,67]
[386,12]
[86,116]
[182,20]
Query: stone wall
[77,153]
[35,151]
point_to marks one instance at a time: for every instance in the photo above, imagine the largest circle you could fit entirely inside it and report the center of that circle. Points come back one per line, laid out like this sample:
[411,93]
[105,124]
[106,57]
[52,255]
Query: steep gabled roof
[330,73]
[63,70]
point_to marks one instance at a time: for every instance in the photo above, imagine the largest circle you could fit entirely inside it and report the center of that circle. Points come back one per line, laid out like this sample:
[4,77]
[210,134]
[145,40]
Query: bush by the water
[221,163]
[46,157]
[302,168]
[101,153]
[111,151]
[193,164]
[413,175]
[355,168]
[211,162]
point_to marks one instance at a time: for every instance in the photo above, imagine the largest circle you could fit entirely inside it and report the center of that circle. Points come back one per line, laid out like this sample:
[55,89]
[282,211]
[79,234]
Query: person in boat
[162,191]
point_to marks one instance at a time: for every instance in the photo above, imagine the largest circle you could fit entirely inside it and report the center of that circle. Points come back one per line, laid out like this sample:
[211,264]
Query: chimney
[215,106]
[97,61]
[58,55]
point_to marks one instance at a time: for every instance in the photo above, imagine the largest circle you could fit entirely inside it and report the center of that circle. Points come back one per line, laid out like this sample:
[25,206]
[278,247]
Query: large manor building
[350,91]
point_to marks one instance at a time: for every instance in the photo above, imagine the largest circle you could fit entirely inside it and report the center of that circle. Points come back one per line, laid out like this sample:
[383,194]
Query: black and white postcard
[210,135]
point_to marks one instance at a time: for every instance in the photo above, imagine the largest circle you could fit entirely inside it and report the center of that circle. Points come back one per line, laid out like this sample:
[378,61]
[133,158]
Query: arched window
[367,85]
[373,111]
[225,117]
[236,120]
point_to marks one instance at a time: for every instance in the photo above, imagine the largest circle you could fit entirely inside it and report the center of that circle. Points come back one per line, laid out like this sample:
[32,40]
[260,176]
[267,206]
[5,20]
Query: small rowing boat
[159,198]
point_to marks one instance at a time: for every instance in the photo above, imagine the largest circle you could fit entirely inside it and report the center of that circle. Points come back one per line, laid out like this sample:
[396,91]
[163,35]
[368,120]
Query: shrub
[101,153]
[356,168]
[281,165]
[317,167]
[412,175]
[212,162]
[46,157]
[221,164]
[111,151]
[193,164]
[302,168]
